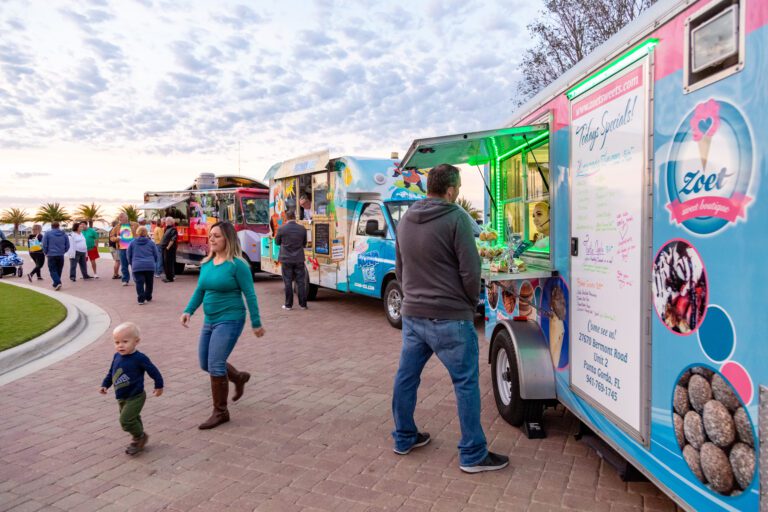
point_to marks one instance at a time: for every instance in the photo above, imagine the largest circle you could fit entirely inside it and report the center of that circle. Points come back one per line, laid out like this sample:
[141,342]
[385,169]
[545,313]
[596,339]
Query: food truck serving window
[526,203]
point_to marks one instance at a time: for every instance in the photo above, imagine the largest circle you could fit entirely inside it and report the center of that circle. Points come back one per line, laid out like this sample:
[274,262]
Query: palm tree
[52,212]
[471,210]
[89,213]
[17,217]
[131,210]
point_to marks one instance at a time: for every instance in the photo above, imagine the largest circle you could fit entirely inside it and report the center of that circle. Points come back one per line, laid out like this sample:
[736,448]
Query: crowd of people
[146,251]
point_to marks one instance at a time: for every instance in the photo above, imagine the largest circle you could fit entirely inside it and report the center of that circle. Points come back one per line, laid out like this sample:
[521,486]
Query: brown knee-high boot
[219,391]
[238,379]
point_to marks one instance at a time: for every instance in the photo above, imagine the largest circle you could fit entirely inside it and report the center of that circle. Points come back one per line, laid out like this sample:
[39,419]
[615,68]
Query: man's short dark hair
[55,225]
[440,178]
[290,215]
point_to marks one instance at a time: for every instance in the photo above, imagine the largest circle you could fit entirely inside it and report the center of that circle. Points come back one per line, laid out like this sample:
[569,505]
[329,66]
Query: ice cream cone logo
[704,124]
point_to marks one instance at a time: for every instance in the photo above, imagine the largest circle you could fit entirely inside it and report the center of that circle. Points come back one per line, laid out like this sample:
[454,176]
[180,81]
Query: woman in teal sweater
[224,279]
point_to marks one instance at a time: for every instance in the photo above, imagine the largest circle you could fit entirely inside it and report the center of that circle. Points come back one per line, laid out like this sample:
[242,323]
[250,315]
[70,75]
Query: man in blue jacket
[55,246]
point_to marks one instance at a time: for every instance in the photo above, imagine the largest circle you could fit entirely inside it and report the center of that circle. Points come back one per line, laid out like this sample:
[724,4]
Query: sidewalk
[312,431]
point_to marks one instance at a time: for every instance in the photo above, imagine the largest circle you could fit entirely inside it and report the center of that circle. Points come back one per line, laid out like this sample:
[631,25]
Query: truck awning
[160,203]
[475,148]
[305,164]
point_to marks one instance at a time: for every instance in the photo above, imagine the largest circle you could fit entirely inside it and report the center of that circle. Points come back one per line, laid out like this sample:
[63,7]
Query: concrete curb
[85,323]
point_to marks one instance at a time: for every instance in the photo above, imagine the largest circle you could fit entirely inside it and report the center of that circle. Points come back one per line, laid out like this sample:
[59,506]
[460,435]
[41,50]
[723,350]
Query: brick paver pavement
[311,433]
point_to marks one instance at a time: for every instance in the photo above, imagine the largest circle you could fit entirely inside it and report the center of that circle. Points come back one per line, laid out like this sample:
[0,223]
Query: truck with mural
[350,207]
[237,199]
[624,269]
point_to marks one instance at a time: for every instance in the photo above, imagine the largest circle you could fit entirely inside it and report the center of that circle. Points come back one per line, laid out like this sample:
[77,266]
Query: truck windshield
[256,210]
[398,208]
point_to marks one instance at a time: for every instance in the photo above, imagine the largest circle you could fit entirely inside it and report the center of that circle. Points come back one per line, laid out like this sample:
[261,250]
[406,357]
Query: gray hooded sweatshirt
[438,265]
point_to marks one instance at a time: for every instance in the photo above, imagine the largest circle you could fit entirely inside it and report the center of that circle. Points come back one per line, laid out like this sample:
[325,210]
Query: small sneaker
[287,308]
[303,307]
[95,276]
[115,277]
[491,462]
[125,284]
[39,278]
[422,438]
[57,287]
[137,445]
[88,277]
[73,280]
[29,276]
[141,303]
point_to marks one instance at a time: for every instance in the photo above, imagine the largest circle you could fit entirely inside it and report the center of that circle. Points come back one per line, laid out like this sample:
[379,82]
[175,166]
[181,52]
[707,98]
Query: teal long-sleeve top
[220,289]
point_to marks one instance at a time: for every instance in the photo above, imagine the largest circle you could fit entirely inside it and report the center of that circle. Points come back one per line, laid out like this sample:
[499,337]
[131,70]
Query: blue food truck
[631,201]
[350,207]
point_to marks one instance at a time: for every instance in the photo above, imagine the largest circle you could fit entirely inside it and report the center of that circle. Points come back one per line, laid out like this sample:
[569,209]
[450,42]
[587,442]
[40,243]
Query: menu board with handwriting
[322,238]
[608,162]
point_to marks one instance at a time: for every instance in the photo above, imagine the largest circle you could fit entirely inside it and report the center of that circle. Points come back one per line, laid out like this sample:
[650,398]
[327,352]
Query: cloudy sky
[101,101]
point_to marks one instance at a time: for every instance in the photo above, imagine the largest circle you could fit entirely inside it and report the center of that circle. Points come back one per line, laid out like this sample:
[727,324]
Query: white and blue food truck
[352,207]
[631,199]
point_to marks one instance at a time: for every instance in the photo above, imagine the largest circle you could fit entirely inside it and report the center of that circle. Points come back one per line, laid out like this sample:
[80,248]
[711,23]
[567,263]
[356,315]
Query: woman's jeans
[145,281]
[39,258]
[216,343]
[455,343]
[78,260]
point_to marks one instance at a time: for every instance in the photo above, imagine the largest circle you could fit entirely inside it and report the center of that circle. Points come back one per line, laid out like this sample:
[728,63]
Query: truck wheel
[393,302]
[506,380]
[178,268]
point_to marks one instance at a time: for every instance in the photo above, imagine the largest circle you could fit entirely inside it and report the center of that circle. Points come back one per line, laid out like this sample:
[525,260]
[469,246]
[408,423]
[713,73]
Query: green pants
[130,414]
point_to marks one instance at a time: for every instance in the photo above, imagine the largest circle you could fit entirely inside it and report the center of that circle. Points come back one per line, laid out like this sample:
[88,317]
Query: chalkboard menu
[322,238]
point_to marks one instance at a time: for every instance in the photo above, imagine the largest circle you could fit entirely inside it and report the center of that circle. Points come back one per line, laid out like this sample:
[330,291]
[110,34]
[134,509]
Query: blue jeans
[455,343]
[216,343]
[145,282]
[126,273]
[55,268]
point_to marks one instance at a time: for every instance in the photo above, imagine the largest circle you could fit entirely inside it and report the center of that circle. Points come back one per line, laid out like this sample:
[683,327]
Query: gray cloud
[104,49]
[243,16]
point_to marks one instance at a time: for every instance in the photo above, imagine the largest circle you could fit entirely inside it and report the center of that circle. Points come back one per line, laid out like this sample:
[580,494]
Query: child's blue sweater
[127,374]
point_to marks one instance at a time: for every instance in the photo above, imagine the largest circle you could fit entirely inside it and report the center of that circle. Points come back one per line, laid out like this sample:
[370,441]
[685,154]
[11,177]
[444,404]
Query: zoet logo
[710,168]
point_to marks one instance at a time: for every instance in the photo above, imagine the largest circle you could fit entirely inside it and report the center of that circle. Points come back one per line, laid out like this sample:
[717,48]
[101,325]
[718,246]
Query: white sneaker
[125,284]
[95,276]
[286,307]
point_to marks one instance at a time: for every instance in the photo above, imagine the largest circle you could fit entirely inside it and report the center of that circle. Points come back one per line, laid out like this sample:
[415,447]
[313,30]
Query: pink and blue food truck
[631,203]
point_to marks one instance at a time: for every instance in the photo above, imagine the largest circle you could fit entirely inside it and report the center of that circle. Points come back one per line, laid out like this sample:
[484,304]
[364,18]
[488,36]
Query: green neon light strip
[522,146]
[614,67]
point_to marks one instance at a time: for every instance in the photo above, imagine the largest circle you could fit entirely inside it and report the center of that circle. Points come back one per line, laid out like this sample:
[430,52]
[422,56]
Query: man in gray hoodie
[438,267]
[55,246]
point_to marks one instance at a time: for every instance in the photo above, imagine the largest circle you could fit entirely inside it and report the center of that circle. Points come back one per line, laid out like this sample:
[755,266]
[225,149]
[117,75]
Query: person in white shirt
[77,252]
[306,207]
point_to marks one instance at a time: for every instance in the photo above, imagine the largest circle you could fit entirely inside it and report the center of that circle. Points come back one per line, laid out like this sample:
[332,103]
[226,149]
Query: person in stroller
[35,244]
[10,262]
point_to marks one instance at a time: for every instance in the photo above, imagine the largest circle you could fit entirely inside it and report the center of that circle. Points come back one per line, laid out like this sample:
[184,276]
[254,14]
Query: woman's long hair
[232,249]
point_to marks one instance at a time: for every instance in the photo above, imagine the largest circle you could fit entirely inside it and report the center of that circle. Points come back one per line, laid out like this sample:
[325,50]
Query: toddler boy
[127,374]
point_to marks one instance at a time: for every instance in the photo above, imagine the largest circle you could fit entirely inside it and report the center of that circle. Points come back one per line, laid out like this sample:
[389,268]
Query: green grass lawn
[25,314]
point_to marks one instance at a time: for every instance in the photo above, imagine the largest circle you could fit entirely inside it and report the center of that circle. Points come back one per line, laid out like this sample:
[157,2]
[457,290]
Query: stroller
[11,263]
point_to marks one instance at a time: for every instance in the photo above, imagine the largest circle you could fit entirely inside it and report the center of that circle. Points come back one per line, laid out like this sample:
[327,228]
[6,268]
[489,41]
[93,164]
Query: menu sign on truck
[608,138]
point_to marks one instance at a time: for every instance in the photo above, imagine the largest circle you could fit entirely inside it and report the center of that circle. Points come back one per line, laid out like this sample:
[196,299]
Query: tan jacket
[157,234]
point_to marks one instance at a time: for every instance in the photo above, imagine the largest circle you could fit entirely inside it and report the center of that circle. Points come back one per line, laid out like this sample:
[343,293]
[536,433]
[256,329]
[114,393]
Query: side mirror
[372,229]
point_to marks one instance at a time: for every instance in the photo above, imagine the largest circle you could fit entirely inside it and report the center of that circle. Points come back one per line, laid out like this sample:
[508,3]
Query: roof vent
[206,180]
